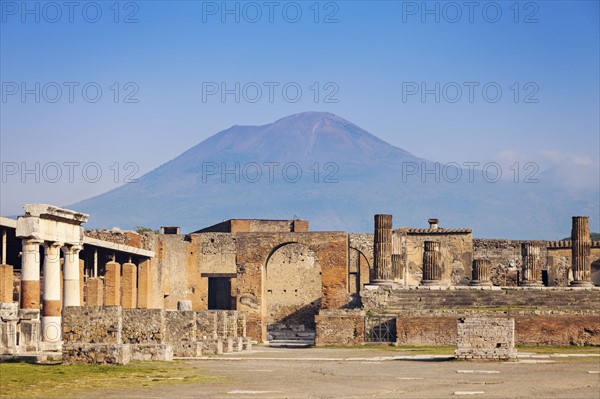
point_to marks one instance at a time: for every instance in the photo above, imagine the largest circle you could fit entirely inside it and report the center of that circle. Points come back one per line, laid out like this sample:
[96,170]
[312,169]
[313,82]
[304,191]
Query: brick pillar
[145,291]
[481,273]
[432,264]
[129,286]
[581,246]
[382,249]
[6,283]
[112,284]
[531,271]
[81,281]
[95,292]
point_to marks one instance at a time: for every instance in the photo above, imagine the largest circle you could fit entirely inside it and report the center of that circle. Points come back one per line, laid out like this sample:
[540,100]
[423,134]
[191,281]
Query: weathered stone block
[81,353]
[340,327]
[489,338]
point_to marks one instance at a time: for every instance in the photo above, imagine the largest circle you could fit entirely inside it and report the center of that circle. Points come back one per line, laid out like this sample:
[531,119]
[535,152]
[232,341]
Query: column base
[581,284]
[51,328]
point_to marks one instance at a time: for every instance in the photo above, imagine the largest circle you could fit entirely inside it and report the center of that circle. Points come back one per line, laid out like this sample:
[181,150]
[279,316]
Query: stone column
[112,284]
[30,274]
[382,249]
[581,246]
[71,278]
[481,273]
[531,271]
[4,239]
[51,316]
[129,286]
[432,264]
[145,292]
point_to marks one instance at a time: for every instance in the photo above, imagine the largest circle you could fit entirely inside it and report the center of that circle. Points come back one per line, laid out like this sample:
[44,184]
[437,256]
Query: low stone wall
[486,338]
[340,327]
[107,335]
[541,329]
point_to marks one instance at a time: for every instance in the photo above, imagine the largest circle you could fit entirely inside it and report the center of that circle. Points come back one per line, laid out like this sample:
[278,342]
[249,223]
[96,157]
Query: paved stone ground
[375,373]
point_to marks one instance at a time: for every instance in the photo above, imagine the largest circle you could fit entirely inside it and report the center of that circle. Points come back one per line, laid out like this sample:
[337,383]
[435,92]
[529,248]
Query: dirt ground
[375,373]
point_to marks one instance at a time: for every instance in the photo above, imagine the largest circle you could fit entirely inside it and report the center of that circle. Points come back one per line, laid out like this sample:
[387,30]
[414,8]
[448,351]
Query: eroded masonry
[111,296]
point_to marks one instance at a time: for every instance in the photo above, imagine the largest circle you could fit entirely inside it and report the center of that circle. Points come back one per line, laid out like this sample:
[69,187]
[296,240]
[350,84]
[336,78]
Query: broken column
[51,316]
[481,273]
[71,288]
[581,244]
[432,264]
[382,249]
[129,286]
[112,284]
[531,275]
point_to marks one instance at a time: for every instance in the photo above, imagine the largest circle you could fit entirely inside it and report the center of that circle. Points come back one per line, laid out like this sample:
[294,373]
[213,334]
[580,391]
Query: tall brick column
[129,282]
[382,249]
[432,264]
[581,246]
[481,273]
[6,283]
[112,284]
[145,287]
[95,292]
[531,271]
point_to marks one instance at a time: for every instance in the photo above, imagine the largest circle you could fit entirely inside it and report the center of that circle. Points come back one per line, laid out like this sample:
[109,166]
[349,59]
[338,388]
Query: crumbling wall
[483,338]
[456,248]
[340,327]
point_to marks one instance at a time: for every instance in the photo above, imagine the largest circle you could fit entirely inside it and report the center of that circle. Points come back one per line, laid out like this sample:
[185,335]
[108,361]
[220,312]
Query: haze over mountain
[323,168]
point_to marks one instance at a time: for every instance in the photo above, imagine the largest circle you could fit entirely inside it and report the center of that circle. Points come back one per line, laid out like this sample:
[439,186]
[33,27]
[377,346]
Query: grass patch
[23,380]
[558,349]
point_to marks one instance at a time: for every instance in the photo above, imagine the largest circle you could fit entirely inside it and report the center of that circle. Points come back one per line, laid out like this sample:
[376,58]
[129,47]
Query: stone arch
[292,287]
[360,270]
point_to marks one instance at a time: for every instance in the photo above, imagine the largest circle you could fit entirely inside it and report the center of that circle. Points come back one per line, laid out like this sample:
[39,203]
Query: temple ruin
[111,296]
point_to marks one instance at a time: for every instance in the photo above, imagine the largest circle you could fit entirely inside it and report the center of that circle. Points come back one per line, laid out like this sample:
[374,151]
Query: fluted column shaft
[531,270]
[581,246]
[382,249]
[482,270]
[432,260]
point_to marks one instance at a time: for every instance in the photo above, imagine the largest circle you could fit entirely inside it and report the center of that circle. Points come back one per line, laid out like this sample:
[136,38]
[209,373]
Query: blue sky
[366,57]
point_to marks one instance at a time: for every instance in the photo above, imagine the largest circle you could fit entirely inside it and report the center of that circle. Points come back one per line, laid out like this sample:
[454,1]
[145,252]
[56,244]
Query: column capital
[53,244]
[31,240]
[68,249]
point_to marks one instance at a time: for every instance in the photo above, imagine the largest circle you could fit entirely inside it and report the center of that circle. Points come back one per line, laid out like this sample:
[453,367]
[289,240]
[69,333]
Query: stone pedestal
[432,268]
[184,305]
[382,250]
[531,271]
[581,246]
[481,273]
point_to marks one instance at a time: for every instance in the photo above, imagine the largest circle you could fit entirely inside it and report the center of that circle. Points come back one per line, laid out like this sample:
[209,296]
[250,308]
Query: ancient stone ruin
[109,296]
